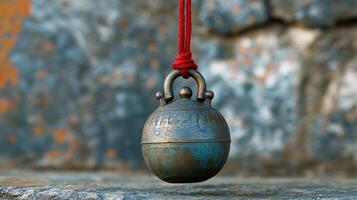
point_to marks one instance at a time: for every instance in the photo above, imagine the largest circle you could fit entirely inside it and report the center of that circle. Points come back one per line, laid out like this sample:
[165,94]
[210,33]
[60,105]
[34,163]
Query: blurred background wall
[78,78]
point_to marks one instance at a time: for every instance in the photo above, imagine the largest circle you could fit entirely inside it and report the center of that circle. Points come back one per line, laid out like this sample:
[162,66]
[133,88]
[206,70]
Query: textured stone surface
[314,12]
[232,16]
[68,106]
[77,80]
[276,72]
[110,185]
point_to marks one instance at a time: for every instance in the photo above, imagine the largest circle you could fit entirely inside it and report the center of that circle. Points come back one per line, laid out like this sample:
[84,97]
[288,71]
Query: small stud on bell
[185,93]
[209,96]
[160,96]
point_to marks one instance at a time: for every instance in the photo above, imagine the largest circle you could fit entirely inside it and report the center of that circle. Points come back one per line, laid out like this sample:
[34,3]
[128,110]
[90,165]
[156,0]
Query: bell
[185,141]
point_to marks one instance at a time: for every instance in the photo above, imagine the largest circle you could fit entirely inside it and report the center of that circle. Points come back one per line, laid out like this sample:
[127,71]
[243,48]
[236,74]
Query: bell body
[186,140]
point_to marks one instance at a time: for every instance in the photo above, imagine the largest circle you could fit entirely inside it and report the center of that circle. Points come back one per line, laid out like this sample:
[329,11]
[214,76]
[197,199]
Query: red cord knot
[184,62]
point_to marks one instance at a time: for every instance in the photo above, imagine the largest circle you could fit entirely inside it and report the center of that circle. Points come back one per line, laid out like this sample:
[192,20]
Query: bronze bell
[185,140]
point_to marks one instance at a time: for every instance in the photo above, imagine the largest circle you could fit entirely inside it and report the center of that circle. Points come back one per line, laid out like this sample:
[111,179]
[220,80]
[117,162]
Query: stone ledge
[112,185]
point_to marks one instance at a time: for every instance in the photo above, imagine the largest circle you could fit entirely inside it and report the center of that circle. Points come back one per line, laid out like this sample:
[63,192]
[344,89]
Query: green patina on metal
[185,140]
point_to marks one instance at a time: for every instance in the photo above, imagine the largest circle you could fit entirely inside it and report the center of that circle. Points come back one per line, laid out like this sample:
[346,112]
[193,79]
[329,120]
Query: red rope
[184,60]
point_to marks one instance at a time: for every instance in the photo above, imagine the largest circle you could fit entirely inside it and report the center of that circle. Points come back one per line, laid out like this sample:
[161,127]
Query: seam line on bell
[200,141]
[164,109]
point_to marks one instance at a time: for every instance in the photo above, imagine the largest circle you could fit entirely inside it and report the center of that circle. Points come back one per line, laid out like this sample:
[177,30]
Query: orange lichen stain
[163,29]
[261,79]
[11,15]
[131,77]
[250,20]
[150,83]
[54,153]
[37,130]
[111,152]
[72,147]
[40,74]
[60,135]
[152,47]
[47,47]
[8,74]
[15,8]
[246,62]
[235,9]
[71,187]
[351,116]
[154,65]
[234,73]
[11,138]
[23,183]
[5,105]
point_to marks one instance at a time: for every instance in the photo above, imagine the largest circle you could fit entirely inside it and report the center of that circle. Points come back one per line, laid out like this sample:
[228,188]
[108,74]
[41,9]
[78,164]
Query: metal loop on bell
[201,84]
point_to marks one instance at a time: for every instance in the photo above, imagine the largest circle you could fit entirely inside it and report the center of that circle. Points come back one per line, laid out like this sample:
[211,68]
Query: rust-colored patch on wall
[150,83]
[23,183]
[40,74]
[236,9]
[11,138]
[4,105]
[54,153]
[111,152]
[47,47]
[152,47]
[154,64]
[60,135]
[39,127]
[351,116]
[72,147]
[37,130]
[12,13]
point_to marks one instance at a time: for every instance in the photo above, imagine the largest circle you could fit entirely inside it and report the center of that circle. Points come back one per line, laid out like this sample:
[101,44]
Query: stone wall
[78,78]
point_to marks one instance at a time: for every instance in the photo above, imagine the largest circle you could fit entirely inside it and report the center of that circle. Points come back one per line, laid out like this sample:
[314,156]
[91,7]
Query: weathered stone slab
[301,77]
[233,16]
[314,12]
[111,185]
